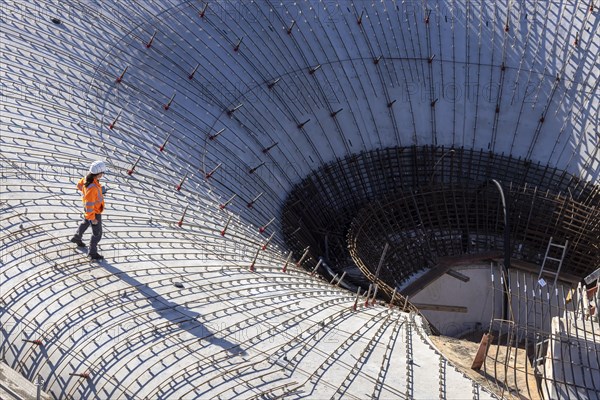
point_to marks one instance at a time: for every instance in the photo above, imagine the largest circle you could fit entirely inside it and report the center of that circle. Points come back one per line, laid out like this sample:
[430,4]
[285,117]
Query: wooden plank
[484,345]
[440,307]
[458,275]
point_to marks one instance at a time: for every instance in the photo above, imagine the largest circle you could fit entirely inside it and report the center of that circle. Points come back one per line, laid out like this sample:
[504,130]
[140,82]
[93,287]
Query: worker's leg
[80,231]
[96,235]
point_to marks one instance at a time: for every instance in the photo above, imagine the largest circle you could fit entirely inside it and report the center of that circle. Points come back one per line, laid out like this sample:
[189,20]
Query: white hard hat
[97,167]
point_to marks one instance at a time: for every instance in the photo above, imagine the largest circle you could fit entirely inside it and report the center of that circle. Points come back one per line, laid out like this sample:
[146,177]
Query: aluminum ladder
[553,260]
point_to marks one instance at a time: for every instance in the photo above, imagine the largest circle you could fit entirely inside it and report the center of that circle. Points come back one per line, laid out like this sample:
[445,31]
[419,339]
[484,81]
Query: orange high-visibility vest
[93,200]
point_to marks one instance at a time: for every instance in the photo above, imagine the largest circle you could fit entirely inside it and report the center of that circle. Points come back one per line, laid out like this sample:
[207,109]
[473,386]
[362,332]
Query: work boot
[78,242]
[96,256]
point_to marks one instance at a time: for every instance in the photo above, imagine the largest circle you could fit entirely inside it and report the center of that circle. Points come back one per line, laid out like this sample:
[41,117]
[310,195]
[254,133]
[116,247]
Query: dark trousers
[96,233]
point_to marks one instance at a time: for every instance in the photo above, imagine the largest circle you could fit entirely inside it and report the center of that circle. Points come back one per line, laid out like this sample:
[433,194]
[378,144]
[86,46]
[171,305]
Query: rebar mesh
[429,202]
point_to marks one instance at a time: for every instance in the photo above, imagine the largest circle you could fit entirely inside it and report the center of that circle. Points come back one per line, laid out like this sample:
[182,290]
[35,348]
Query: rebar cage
[431,202]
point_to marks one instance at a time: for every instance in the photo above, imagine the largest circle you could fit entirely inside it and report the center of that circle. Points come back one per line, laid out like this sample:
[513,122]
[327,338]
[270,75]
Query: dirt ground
[510,375]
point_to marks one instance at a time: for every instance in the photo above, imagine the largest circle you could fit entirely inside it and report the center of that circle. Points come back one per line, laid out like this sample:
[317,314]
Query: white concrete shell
[197,105]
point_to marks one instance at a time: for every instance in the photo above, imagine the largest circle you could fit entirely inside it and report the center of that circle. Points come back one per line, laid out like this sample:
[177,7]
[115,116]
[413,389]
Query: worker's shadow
[170,315]
[174,313]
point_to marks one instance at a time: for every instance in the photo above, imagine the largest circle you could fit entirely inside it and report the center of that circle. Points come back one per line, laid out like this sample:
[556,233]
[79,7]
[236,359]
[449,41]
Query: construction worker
[93,205]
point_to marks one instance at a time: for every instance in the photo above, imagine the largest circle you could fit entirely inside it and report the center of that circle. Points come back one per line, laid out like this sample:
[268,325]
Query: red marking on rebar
[203,12]
[134,165]
[183,216]
[120,77]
